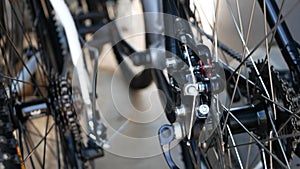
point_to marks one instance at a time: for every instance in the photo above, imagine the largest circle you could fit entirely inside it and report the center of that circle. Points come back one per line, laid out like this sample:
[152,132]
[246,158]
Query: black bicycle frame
[284,39]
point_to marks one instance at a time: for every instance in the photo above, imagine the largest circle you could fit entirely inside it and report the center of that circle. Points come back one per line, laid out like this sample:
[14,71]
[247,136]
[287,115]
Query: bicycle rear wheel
[257,125]
[38,100]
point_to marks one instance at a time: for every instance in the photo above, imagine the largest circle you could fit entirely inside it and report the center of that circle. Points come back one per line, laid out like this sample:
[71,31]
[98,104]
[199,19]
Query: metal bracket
[166,136]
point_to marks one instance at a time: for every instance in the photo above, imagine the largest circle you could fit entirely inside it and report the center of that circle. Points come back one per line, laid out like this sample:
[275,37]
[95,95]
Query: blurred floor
[133,119]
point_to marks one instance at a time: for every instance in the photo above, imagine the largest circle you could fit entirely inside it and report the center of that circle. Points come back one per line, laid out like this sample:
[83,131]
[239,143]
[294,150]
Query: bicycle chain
[68,108]
[282,86]
[64,105]
[290,97]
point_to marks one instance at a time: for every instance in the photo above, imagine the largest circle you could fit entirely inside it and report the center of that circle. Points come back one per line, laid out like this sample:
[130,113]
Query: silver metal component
[110,9]
[191,90]
[201,87]
[171,62]
[5,156]
[141,58]
[194,89]
[153,57]
[101,130]
[158,59]
[180,111]
[178,130]
[3,140]
[203,109]
[183,39]
[203,145]
[189,78]
[35,109]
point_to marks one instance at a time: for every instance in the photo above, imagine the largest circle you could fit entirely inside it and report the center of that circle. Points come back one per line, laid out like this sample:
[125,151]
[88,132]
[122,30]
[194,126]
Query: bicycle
[204,83]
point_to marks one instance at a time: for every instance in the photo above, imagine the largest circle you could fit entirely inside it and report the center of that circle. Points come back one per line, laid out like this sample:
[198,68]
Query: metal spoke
[264,158]
[215,33]
[235,148]
[245,50]
[28,39]
[21,24]
[263,39]
[269,139]
[20,57]
[255,139]
[239,17]
[22,133]
[284,124]
[247,40]
[248,153]
[280,106]
[22,81]
[31,145]
[254,159]
[45,142]
[263,96]
[272,90]
[38,134]
[38,144]
[56,129]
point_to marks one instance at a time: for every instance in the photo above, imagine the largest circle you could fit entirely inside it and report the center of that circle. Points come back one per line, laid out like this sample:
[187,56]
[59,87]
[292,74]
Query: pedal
[92,151]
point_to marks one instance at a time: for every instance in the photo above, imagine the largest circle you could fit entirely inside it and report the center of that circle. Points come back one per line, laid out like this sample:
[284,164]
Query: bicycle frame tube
[171,45]
[285,41]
